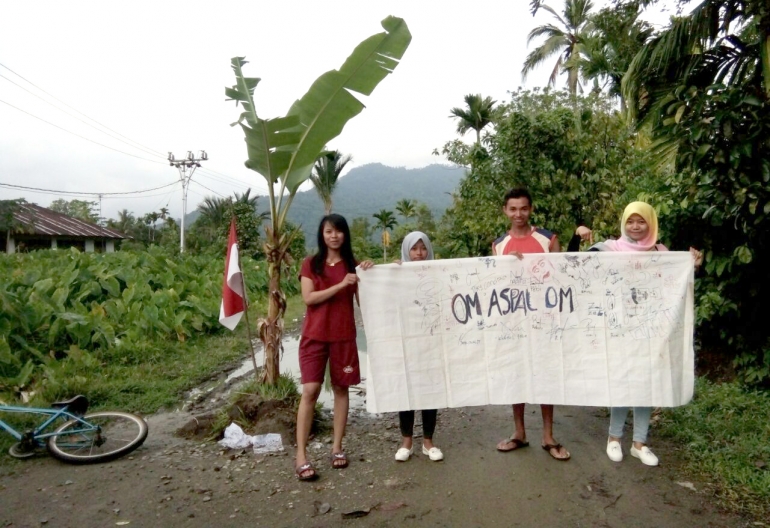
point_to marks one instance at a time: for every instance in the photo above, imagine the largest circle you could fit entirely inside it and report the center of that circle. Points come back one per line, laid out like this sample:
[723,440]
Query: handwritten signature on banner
[537,290]
[500,329]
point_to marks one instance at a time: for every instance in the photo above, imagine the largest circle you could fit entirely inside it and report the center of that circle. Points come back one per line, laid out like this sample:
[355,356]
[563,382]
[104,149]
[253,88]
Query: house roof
[41,221]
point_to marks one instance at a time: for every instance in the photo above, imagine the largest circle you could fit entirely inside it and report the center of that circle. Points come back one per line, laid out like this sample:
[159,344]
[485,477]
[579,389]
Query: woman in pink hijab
[639,232]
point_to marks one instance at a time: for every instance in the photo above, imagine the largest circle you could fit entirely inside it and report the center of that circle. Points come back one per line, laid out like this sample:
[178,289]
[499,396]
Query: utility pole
[186,168]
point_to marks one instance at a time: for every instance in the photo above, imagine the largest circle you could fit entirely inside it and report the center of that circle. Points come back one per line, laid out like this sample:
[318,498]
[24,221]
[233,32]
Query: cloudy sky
[152,75]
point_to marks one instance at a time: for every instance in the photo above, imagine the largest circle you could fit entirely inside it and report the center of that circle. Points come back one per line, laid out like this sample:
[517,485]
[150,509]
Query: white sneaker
[644,454]
[403,454]
[614,451]
[434,453]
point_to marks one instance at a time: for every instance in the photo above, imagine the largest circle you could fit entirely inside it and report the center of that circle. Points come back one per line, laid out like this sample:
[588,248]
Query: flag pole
[246,311]
[248,327]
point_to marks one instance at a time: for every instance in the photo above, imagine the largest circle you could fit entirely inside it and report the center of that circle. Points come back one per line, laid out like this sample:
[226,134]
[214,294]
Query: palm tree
[617,36]
[163,213]
[325,173]
[567,41]
[214,211]
[385,220]
[476,115]
[245,198]
[406,208]
[125,221]
[717,44]
[153,218]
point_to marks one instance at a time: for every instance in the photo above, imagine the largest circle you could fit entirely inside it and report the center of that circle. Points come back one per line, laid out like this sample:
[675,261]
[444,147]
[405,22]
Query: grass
[285,390]
[725,437]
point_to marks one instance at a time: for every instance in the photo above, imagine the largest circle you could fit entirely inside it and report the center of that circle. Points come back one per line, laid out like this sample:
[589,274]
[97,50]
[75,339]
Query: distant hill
[365,190]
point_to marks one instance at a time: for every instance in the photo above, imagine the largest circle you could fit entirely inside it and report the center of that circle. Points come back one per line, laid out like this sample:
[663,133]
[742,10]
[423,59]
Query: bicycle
[82,438]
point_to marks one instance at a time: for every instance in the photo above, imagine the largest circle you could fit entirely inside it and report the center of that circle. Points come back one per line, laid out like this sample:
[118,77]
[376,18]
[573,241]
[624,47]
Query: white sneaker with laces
[614,451]
[434,453]
[403,454]
[644,454]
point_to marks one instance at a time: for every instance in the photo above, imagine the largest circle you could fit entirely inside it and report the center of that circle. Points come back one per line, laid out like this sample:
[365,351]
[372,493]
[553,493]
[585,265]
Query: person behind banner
[329,285]
[639,232]
[417,247]
[524,238]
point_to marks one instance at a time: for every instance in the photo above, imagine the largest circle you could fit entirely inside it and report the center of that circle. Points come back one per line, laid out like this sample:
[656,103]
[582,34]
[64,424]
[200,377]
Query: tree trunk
[271,327]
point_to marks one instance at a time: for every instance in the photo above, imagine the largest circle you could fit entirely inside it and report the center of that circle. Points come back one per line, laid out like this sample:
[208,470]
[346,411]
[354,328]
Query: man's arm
[554,246]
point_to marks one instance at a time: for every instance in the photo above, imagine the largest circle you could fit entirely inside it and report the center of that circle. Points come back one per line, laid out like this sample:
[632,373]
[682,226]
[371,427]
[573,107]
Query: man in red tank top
[523,238]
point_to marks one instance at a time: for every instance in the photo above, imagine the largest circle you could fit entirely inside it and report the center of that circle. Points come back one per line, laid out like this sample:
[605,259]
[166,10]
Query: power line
[52,191]
[147,150]
[210,190]
[135,197]
[220,180]
[78,111]
[226,176]
[78,135]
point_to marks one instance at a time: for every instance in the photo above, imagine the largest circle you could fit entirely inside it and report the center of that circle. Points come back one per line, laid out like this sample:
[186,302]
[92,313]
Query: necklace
[332,264]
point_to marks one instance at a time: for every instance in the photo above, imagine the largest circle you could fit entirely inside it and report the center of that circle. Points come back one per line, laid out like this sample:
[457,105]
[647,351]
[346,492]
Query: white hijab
[410,240]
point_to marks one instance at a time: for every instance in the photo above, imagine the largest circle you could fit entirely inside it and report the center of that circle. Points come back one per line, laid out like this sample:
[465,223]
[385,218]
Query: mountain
[365,190]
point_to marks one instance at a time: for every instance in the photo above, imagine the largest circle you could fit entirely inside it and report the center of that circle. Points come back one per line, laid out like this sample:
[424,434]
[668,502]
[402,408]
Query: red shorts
[342,357]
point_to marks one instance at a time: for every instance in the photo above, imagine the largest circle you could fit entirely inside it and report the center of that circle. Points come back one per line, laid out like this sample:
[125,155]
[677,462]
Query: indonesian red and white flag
[232,307]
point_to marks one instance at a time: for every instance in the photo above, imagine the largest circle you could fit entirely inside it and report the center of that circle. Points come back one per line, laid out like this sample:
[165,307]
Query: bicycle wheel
[118,433]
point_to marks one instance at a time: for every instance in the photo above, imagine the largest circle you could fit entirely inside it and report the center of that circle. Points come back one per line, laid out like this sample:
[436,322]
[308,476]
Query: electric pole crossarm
[186,167]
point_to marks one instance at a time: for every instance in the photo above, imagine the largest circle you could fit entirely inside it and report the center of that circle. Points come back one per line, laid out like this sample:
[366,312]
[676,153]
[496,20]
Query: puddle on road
[290,366]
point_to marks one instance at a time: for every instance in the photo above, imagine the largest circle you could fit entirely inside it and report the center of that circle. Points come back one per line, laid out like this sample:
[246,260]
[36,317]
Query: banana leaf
[284,149]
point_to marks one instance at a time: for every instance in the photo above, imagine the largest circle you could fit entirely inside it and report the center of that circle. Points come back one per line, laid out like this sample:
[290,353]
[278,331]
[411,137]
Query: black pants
[406,419]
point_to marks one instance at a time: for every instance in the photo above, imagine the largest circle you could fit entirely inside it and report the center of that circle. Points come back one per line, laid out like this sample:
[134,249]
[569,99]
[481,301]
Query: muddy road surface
[171,481]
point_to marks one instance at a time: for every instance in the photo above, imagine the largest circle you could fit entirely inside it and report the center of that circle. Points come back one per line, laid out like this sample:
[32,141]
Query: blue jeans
[641,422]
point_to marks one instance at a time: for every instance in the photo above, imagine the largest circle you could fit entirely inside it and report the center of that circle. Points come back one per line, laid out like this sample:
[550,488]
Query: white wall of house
[53,243]
[110,247]
[89,245]
[10,245]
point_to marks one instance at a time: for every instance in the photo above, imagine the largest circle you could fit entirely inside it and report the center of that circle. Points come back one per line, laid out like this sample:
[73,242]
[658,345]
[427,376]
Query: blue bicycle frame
[37,434]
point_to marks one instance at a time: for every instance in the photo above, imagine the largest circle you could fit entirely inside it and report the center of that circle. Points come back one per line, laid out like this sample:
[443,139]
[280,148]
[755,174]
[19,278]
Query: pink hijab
[626,243]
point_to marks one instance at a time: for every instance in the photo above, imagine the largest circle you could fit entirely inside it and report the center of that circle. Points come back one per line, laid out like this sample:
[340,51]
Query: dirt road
[174,482]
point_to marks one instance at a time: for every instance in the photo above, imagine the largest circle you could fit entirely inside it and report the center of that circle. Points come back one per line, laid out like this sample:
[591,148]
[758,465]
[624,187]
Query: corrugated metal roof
[43,221]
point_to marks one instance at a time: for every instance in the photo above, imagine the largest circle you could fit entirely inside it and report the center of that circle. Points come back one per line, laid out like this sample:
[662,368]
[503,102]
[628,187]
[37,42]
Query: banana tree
[284,149]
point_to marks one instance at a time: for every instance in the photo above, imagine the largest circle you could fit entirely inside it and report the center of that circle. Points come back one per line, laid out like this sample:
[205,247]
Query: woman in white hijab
[417,247]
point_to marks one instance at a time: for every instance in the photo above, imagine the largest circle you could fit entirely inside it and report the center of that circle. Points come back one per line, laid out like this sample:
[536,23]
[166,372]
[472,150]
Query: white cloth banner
[595,329]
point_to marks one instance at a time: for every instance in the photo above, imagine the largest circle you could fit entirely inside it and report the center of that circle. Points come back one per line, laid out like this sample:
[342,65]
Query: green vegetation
[284,150]
[581,143]
[66,316]
[724,432]
[326,173]
[702,87]
[285,390]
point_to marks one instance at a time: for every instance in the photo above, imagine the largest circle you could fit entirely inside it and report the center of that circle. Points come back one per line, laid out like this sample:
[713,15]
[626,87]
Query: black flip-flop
[517,444]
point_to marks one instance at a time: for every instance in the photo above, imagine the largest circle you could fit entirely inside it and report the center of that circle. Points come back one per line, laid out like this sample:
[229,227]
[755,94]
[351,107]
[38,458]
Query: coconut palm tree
[617,36]
[385,220]
[246,198]
[326,172]
[214,211]
[476,115]
[406,208]
[566,40]
[125,222]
